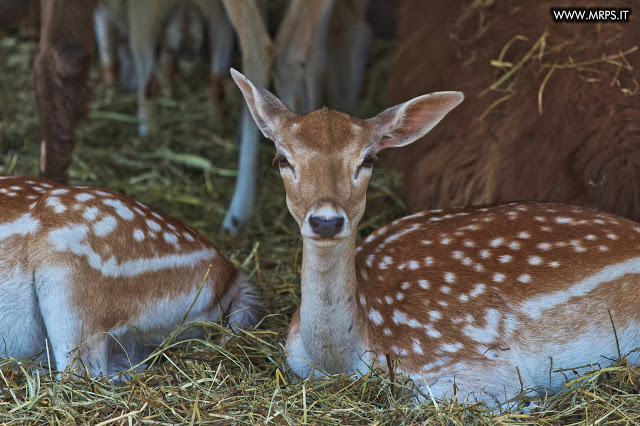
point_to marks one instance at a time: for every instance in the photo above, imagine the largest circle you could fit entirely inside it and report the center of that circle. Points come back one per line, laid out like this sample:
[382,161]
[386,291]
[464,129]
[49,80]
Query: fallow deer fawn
[91,270]
[485,299]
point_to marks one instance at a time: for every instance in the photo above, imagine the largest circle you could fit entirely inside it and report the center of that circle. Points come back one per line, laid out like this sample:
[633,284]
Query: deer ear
[402,124]
[267,110]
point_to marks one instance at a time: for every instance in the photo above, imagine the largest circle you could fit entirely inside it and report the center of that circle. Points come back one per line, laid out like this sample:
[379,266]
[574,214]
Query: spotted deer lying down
[478,297]
[100,277]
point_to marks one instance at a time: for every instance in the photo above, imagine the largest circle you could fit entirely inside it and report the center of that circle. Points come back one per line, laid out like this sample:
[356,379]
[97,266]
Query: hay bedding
[188,171]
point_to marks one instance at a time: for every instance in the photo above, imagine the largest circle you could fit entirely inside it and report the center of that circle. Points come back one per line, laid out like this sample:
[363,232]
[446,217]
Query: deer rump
[98,279]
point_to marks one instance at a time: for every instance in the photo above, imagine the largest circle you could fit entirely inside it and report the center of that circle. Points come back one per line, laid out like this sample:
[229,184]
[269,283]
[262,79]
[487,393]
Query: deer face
[325,157]
[325,160]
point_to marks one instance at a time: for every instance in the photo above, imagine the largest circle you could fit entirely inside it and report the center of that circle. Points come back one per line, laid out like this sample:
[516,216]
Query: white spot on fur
[413,265]
[153,225]
[514,245]
[428,261]
[90,213]
[423,284]
[544,246]
[54,202]
[386,261]
[417,348]
[498,277]
[138,235]
[524,278]
[405,285]
[505,258]
[485,254]
[450,277]
[400,295]
[84,196]
[445,289]
[21,226]
[452,347]
[432,332]
[121,210]
[105,226]
[376,317]
[434,315]
[524,235]
[497,242]
[399,317]
[564,220]
[478,289]
[534,260]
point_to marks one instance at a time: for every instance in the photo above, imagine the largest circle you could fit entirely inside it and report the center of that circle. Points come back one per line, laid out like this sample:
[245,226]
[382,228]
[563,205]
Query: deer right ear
[402,124]
[267,110]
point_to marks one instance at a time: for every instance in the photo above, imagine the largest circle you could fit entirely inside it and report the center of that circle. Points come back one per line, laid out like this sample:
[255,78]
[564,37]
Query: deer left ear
[266,109]
[402,124]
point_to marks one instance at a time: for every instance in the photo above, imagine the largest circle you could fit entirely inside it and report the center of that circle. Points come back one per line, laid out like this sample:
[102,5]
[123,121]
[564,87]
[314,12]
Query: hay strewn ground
[188,171]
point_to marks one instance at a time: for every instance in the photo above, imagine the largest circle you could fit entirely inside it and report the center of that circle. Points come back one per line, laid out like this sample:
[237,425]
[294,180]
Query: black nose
[326,228]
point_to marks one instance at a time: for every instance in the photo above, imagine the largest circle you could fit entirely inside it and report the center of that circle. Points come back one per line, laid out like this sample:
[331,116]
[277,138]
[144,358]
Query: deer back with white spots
[100,276]
[484,300]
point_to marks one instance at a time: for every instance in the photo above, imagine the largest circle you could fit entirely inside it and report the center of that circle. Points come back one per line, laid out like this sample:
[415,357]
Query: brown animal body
[485,301]
[87,272]
[564,126]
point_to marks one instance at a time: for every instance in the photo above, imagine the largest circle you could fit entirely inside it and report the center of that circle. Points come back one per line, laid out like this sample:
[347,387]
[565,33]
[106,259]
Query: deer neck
[330,328]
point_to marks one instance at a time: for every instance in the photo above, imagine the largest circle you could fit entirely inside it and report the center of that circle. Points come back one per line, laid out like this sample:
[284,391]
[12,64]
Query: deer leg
[221,40]
[348,46]
[299,52]
[71,343]
[143,32]
[255,45]
[61,70]
[104,41]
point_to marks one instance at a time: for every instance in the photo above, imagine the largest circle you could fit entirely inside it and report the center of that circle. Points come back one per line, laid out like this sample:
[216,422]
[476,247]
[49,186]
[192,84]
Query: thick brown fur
[61,70]
[583,148]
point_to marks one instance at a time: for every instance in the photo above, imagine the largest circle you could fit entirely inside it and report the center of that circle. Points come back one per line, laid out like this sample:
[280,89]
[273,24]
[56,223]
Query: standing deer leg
[255,45]
[61,70]
[299,52]
[221,39]
[104,40]
[143,31]
[348,45]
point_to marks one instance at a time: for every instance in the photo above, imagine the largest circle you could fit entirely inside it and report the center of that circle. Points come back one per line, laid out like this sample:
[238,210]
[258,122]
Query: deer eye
[283,161]
[367,162]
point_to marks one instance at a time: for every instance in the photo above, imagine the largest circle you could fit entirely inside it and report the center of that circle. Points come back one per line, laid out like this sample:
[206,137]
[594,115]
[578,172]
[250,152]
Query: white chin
[324,242]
